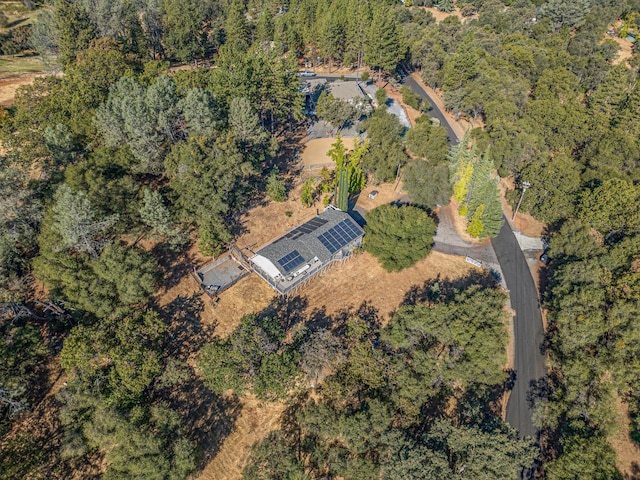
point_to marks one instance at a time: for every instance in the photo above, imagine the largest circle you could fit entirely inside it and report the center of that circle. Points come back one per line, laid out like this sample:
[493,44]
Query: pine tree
[338,152]
[384,48]
[156,215]
[275,187]
[74,29]
[236,28]
[446,5]
[475,187]
[265,29]
[492,215]
[476,227]
[461,168]
[478,184]
[307,195]
[358,20]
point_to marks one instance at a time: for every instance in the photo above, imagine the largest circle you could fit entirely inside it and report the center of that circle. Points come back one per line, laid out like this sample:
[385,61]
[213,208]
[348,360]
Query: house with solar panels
[291,260]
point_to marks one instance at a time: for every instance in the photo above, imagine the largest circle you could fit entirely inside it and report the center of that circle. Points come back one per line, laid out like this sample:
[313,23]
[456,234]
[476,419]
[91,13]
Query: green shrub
[398,236]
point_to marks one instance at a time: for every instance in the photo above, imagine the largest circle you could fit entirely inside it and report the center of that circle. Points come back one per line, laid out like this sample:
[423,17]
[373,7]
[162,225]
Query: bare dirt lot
[314,156]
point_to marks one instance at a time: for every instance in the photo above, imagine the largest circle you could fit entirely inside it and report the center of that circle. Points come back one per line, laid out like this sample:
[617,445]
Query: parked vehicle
[373,194]
[307,73]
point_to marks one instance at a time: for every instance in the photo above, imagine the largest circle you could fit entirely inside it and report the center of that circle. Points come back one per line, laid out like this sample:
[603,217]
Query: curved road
[529,360]
[529,335]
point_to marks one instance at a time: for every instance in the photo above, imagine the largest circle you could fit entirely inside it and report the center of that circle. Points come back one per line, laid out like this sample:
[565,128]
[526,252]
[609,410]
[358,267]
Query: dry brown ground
[362,279]
[524,222]
[352,283]
[387,193]
[511,357]
[271,219]
[625,52]
[315,151]
[255,422]
[627,451]
[10,82]
[249,295]
[439,15]
[320,69]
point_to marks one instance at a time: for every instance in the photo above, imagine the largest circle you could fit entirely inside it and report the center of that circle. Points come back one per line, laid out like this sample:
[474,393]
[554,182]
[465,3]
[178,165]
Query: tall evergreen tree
[384,48]
[236,28]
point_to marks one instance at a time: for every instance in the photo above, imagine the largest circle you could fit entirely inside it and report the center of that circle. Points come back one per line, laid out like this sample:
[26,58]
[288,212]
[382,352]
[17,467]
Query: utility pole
[525,185]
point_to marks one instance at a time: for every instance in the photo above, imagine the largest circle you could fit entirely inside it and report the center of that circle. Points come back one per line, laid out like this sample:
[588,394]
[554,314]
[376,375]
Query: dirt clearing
[314,156]
[627,451]
[439,15]
[249,295]
[256,420]
[10,82]
[625,52]
[387,193]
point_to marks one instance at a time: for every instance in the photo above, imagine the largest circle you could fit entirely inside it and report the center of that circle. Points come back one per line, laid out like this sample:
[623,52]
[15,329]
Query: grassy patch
[20,64]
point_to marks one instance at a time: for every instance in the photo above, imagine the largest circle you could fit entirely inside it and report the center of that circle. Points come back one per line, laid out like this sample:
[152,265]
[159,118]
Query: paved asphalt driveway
[529,336]
[435,111]
[529,361]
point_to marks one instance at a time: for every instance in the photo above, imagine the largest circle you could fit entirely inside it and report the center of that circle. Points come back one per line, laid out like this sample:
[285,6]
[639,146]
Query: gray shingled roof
[304,239]
[348,90]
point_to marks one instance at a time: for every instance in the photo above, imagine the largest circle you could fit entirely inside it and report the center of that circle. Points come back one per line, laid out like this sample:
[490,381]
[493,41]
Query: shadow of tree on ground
[209,418]
[186,334]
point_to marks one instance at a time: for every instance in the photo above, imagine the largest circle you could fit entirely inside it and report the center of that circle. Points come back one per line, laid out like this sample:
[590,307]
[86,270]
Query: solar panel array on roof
[291,261]
[308,227]
[337,237]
